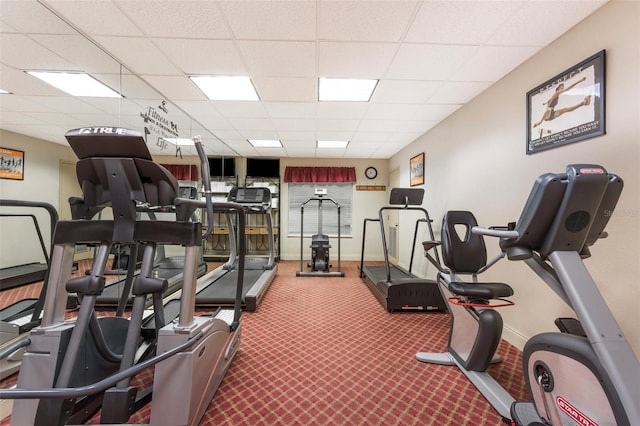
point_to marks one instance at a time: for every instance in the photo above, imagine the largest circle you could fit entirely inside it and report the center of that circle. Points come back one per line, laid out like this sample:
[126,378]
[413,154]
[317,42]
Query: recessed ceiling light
[226,88]
[76,83]
[4,92]
[345,89]
[332,144]
[265,143]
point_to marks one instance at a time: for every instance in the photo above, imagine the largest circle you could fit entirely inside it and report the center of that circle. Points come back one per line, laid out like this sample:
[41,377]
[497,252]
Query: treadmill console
[251,196]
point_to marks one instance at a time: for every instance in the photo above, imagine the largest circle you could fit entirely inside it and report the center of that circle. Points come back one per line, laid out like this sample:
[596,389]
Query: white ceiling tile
[491,63]
[30,17]
[115,106]
[252,124]
[333,135]
[415,126]
[376,21]
[458,92]
[277,89]
[185,18]
[213,57]
[324,125]
[290,109]
[526,28]
[204,108]
[241,109]
[140,55]
[428,62]
[342,110]
[19,103]
[96,17]
[227,134]
[80,52]
[67,104]
[460,22]
[404,91]
[271,20]
[24,53]
[355,60]
[18,118]
[390,111]
[176,88]
[45,132]
[374,126]
[362,137]
[279,58]
[434,112]
[294,125]
[402,139]
[62,119]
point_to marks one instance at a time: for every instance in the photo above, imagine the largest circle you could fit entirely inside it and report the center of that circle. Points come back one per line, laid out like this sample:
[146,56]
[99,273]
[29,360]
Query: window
[341,193]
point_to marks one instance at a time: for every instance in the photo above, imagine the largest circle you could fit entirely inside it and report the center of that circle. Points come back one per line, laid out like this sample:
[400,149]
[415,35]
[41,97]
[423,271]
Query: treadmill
[396,288]
[21,316]
[19,275]
[219,286]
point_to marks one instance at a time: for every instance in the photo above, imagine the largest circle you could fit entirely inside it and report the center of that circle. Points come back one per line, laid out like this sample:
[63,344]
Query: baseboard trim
[513,337]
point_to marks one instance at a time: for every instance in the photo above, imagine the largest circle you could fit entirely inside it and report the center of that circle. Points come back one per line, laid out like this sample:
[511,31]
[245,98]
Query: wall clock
[371,173]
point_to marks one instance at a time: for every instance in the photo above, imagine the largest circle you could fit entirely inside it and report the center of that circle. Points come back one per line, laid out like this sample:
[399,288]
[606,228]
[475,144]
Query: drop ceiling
[431,57]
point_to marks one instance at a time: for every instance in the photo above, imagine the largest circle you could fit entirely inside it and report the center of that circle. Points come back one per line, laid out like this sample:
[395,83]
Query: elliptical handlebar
[206,183]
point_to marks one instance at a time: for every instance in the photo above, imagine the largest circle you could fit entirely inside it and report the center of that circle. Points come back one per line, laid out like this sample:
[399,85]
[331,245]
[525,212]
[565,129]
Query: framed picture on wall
[416,174]
[11,164]
[567,108]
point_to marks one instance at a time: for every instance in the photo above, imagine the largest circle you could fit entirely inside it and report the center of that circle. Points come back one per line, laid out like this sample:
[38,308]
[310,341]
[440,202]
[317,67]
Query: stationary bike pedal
[570,326]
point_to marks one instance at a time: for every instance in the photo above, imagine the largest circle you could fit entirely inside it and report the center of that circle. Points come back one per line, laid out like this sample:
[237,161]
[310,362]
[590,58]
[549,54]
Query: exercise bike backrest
[466,255]
[564,212]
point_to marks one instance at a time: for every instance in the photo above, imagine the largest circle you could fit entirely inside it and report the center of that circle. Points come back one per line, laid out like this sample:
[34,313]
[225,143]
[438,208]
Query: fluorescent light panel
[345,89]
[265,143]
[179,141]
[76,84]
[226,88]
[2,91]
[332,144]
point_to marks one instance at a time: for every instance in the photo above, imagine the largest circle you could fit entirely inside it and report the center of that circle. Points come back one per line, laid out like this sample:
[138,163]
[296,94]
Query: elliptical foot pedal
[571,326]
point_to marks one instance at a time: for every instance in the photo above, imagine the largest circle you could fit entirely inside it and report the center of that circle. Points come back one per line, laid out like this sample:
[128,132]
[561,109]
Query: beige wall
[19,243]
[475,160]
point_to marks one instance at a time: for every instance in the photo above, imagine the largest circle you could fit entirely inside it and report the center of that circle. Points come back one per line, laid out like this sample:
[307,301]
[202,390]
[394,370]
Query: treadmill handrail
[426,219]
[53,217]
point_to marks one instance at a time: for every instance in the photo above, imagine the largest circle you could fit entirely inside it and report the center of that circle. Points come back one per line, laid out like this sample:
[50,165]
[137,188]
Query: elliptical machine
[320,263]
[588,373]
[69,360]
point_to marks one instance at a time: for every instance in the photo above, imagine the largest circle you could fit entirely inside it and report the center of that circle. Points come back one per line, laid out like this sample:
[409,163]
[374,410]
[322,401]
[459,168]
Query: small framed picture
[416,165]
[567,108]
[11,164]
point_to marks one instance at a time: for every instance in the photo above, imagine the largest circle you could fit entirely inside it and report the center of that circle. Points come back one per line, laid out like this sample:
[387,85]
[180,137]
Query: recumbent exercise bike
[586,375]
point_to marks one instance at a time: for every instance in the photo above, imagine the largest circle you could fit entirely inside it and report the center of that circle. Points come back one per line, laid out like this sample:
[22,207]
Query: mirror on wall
[34,39]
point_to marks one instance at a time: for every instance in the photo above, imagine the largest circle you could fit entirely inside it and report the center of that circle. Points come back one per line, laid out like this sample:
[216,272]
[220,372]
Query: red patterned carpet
[322,351]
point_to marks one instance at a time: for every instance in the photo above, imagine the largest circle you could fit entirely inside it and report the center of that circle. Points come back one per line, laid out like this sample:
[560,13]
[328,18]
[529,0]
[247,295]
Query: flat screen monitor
[263,167]
[222,166]
[406,196]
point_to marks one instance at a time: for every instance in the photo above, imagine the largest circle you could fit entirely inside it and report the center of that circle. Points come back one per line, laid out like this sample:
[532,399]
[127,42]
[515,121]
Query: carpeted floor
[323,351]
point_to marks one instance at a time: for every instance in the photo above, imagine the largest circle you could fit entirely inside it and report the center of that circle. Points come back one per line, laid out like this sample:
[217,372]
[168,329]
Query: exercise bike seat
[481,290]
[467,254]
